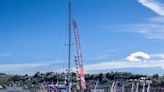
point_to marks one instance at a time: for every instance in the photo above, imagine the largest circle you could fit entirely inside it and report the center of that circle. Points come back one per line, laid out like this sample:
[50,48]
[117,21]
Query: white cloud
[31,68]
[151,29]
[154,5]
[123,64]
[21,68]
[153,60]
[158,56]
[138,56]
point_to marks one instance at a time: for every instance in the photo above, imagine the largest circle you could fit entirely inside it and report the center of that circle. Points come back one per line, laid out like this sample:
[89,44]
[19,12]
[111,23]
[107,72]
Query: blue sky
[33,35]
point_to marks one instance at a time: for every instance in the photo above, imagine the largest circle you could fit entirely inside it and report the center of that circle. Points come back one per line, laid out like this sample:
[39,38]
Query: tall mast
[79,56]
[69,43]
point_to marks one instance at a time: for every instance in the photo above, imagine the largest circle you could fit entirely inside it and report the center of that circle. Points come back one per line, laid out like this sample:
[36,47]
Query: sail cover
[79,56]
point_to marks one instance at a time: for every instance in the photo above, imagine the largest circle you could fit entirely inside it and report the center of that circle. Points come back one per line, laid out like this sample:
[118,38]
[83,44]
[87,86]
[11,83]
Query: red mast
[79,56]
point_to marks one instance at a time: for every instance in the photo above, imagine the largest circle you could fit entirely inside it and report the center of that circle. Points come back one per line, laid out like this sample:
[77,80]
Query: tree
[156,76]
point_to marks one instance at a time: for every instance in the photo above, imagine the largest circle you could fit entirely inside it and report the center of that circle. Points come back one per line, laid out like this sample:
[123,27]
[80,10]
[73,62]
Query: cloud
[123,64]
[154,5]
[152,29]
[31,68]
[153,60]
[22,68]
[138,56]
[158,56]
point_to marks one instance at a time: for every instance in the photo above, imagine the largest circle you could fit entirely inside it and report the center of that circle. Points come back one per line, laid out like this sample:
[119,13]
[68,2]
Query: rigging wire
[57,46]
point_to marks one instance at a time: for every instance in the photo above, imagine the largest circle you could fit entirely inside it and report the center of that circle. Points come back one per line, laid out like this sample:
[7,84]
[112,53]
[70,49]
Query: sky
[115,35]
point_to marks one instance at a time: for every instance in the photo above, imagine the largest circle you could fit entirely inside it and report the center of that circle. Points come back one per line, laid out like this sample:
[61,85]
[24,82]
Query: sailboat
[114,87]
[95,89]
[132,89]
[137,87]
[143,89]
[73,23]
[148,88]
[123,88]
[148,82]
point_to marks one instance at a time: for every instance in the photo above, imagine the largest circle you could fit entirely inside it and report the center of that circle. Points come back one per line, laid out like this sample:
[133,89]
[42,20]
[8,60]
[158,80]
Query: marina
[109,58]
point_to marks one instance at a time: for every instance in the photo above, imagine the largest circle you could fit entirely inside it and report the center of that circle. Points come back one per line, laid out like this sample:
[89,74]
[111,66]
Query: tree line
[52,77]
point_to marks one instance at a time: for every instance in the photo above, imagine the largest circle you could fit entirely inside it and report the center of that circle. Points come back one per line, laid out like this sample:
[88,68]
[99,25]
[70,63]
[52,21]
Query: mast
[77,74]
[78,49]
[69,42]
[79,56]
